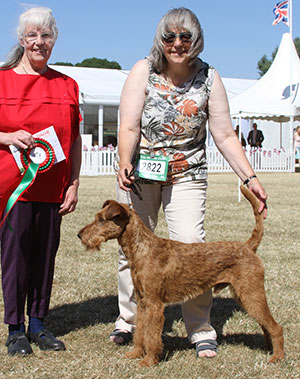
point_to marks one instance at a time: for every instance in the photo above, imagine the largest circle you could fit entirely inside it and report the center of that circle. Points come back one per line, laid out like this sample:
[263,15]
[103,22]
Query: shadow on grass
[66,318]
[102,310]
[222,310]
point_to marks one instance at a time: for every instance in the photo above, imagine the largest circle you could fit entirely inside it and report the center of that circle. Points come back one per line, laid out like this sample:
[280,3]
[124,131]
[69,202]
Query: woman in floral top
[165,104]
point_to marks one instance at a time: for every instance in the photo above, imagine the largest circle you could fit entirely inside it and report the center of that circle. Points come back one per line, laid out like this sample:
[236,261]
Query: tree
[100,63]
[62,64]
[264,63]
[92,62]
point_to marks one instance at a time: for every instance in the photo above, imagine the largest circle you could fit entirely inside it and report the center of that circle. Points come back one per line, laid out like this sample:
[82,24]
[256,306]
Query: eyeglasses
[170,38]
[33,36]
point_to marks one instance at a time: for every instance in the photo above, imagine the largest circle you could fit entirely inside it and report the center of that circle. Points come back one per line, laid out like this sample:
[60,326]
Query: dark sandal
[127,336]
[206,345]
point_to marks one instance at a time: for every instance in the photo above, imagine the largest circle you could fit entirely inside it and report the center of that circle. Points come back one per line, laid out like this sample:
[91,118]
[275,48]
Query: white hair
[41,17]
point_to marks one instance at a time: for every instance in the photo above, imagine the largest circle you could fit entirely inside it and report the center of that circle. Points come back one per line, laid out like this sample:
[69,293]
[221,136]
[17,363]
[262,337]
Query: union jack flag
[281,12]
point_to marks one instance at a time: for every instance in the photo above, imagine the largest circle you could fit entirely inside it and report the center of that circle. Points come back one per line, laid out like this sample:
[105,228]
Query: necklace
[23,67]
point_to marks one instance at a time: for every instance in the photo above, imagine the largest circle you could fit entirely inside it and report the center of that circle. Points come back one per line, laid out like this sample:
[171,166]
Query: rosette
[42,154]
[38,159]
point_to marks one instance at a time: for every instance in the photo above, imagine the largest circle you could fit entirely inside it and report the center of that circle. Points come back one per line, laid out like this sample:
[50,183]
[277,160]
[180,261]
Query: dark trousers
[27,259]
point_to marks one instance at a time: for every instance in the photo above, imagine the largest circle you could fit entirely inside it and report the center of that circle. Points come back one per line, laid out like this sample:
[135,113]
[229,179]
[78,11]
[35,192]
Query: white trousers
[184,208]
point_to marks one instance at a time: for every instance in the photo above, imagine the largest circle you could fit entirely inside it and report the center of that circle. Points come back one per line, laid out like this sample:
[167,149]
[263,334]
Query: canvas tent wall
[100,88]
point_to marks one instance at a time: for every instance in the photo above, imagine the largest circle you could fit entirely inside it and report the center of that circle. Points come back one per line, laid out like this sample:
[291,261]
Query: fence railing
[100,162]
[277,160]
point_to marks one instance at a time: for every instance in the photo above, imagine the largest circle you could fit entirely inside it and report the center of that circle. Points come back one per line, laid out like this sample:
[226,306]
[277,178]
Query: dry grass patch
[84,297]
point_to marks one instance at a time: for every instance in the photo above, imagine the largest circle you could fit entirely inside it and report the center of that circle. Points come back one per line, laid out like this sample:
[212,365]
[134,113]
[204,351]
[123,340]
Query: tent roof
[96,86]
[236,86]
[104,86]
[270,97]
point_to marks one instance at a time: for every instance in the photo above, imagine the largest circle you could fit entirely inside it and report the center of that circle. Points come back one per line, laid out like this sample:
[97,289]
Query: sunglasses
[184,37]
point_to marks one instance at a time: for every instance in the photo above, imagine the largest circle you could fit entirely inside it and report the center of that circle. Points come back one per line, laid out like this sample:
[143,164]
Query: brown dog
[165,271]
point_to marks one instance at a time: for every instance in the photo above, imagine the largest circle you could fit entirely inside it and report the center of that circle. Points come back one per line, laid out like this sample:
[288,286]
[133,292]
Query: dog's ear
[106,202]
[113,209]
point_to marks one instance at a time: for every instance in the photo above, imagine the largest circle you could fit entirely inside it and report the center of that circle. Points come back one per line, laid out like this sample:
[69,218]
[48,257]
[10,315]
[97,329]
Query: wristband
[248,179]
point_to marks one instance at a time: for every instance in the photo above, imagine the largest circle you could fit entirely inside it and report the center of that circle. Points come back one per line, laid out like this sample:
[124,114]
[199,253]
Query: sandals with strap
[206,345]
[125,336]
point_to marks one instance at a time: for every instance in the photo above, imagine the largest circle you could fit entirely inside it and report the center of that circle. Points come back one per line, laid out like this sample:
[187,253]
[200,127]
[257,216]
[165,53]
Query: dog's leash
[135,187]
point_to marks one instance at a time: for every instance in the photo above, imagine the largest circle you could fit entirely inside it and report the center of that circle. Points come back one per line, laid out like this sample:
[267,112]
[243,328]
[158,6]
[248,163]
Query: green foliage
[62,64]
[92,62]
[99,63]
[264,63]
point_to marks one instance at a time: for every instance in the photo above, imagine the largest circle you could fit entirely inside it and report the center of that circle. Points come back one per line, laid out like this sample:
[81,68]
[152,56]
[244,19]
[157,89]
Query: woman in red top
[33,98]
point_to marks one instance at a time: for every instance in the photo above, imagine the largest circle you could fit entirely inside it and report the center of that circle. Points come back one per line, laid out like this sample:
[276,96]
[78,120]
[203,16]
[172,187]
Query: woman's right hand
[122,174]
[21,139]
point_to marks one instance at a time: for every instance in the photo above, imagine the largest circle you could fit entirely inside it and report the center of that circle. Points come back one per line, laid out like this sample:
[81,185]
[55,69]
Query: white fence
[100,162]
[261,160]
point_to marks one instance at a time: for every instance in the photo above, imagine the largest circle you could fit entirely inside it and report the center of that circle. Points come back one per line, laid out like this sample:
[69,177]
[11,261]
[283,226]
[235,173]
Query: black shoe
[18,344]
[45,340]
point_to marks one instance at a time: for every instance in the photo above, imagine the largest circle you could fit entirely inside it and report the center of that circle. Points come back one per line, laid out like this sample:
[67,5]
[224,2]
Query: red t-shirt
[33,103]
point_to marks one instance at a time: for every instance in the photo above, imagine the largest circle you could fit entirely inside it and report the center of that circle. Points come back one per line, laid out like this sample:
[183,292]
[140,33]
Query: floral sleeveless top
[173,123]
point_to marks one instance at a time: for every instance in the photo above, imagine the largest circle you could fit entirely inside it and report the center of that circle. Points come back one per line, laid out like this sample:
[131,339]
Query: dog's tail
[258,230]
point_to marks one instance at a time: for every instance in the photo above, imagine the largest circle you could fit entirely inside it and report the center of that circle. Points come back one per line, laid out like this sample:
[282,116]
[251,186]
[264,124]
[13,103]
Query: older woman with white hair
[165,104]
[35,102]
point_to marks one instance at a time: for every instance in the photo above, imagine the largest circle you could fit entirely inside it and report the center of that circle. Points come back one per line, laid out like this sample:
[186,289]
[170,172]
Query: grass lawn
[84,297]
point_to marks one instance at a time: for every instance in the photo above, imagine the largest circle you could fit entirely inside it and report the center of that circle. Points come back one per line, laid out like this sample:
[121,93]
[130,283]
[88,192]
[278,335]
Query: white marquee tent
[96,86]
[276,95]
[103,86]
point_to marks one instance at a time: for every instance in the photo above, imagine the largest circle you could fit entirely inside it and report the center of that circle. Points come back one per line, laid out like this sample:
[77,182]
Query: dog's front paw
[276,357]
[135,353]
[149,361]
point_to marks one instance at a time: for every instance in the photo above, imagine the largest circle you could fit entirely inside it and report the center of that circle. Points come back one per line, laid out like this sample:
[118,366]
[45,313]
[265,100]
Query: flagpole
[291,88]
[291,17]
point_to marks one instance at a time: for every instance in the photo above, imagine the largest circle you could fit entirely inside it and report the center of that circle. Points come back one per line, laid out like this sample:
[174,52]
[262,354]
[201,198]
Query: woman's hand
[21,139]
[255,187]
[70,199]
[122,176]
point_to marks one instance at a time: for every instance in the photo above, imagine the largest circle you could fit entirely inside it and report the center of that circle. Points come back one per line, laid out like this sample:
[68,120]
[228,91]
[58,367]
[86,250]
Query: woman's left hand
[255,187]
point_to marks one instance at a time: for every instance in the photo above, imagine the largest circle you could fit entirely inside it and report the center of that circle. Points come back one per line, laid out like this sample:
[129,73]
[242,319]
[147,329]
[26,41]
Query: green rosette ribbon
[40,158]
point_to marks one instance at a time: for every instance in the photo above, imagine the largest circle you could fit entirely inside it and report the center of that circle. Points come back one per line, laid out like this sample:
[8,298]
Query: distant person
[297,145]
[255,137]
[243,141]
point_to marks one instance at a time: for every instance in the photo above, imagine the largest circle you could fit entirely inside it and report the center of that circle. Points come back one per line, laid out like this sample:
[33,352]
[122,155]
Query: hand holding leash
[135,187]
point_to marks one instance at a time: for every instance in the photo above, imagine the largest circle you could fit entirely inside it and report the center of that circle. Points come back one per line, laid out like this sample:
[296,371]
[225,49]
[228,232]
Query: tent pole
[292,169]
[291,91]
[240,133]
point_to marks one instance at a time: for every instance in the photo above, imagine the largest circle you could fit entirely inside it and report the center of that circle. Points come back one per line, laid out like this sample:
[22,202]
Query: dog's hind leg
[153,327]
[251,295]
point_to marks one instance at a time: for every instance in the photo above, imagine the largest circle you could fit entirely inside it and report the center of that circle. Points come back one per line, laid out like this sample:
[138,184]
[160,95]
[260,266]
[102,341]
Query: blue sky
[237,32]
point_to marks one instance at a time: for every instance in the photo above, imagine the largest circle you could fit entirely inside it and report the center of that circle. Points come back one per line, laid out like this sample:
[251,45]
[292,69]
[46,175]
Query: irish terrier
[165,271]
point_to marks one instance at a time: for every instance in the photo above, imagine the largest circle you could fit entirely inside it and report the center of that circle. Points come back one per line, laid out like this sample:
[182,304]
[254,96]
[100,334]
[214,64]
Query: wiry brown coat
[165,271]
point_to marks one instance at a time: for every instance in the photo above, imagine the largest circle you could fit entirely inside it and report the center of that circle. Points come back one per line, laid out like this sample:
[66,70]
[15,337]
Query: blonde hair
[181,18]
